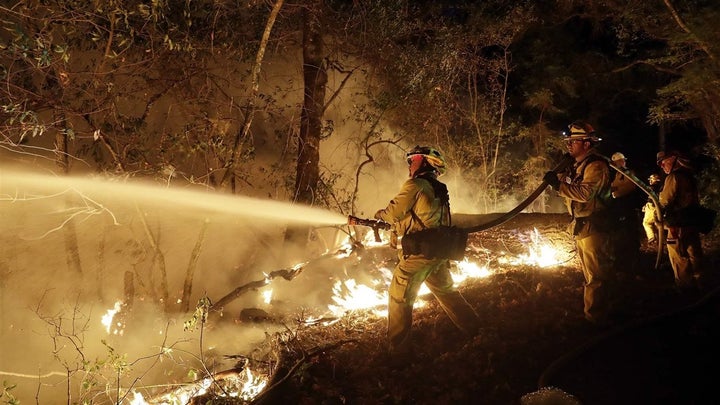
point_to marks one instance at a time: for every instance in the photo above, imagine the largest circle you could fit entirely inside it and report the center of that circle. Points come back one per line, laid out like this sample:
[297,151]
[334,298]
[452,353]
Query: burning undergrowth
[523,279]
[531,313]
[324,356]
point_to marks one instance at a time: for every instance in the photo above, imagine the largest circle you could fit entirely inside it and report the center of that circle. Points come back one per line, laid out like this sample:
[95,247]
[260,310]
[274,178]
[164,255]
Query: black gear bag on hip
[444,242]
[695,215]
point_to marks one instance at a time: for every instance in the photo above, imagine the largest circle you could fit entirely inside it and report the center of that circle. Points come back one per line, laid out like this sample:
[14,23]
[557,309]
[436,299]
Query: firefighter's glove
[552,179]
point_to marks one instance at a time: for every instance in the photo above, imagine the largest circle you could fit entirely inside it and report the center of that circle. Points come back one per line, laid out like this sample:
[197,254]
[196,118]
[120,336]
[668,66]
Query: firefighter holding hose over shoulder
[422,203]
[679,193]
[587,195]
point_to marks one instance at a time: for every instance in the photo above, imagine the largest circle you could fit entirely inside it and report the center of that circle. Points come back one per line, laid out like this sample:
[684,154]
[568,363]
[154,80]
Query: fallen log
[287,274]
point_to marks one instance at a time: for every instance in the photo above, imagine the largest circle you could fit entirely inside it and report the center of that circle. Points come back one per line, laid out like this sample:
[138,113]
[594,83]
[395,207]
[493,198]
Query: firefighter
[649,210]
[586,190]
[626,204]
[621,185]
[422,202]
[683,241]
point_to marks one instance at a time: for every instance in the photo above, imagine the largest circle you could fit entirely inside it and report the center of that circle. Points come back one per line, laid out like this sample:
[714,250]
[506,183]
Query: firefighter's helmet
[431,155]
[581,130]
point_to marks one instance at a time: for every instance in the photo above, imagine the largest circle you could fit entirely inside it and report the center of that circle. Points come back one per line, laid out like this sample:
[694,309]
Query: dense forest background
[302,101]
[312,103]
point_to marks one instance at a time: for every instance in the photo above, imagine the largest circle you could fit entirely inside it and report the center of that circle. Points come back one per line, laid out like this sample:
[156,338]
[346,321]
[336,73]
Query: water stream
[67,247]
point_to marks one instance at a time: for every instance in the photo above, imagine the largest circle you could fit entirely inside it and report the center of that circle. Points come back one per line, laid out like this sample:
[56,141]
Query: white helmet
[618,156]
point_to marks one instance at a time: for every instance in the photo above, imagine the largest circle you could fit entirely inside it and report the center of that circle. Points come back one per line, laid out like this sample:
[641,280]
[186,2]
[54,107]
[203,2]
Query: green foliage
[118,362]
[199,317]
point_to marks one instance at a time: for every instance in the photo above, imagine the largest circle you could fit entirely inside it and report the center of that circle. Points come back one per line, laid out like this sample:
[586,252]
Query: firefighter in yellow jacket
[648,209]
[422,202]
[683,241]
[587,193]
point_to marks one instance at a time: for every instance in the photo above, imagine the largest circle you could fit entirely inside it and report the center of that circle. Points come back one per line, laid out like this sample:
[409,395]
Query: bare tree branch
[685,28]
[250,108]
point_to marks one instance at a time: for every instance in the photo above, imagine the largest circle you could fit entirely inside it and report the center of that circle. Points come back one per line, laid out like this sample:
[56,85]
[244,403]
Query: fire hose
[376,225]
[564,163]
[567,160]
[653,197]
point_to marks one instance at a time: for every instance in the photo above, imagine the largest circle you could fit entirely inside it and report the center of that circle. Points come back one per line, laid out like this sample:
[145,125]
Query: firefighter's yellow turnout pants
[686,255]
[409,274]
[594,253]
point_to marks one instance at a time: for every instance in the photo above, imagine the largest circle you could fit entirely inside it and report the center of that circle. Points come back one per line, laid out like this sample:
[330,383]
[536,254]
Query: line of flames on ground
[348,296]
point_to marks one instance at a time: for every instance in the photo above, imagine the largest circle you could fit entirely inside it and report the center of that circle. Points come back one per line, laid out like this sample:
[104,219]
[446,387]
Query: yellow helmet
[431,155]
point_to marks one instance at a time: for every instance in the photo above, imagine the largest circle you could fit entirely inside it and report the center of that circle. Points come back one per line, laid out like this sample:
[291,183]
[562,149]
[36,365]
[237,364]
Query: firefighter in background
[422,202]
[648,209]
[621,185]
[683,242]
[586,190]
[626,204]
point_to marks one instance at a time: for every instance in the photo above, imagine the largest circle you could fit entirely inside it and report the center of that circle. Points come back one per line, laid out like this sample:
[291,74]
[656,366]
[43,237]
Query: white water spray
[70,244]
[16,185]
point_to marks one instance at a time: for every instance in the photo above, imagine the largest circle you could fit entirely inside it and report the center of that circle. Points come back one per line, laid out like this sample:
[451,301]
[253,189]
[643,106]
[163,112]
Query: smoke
[72,247]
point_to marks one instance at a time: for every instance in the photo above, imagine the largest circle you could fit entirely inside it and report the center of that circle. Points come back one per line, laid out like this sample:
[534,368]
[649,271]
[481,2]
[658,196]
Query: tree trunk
[315,79]
[72,251]
[242,134]
[190,273]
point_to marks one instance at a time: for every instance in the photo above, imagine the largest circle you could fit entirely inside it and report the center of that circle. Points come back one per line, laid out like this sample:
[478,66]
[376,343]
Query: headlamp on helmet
[581,131]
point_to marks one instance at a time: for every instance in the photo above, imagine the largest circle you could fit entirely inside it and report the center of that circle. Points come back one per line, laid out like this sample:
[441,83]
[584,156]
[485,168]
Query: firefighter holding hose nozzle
[376,225]
[587,195]
[678,195]
[421,203]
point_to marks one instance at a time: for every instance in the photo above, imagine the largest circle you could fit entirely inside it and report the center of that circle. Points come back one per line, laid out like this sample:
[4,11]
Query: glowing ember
[107,320]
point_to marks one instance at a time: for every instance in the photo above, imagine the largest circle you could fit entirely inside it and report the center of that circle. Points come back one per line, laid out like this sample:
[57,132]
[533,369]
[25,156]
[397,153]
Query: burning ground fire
[347,296]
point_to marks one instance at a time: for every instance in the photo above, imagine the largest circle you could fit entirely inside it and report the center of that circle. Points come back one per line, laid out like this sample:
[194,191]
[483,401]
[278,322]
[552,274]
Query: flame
[246,385]
[541,253]
[466,269]
[369,239]
[349,296]
[252,385]
[107,319]
[267,296]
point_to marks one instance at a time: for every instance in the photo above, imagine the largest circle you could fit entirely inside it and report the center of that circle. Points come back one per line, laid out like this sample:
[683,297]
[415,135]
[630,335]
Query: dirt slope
[533,332]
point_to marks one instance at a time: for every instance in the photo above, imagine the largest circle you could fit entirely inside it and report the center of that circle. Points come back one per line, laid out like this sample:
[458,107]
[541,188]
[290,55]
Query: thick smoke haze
[69,243]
